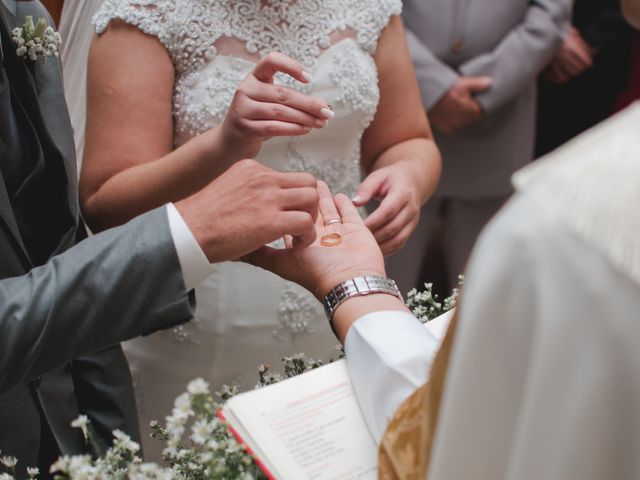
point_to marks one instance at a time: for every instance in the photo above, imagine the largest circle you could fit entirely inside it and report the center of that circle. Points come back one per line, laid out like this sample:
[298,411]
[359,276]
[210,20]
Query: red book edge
[244,444]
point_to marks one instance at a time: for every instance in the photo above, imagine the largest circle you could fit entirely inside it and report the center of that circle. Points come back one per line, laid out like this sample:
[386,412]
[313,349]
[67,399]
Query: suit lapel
[7,215]
[39,86]
[44,94]
[52,106]
[10,5]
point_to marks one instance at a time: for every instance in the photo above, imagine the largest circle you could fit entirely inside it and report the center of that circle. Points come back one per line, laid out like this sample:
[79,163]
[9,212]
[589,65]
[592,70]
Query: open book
[309,427]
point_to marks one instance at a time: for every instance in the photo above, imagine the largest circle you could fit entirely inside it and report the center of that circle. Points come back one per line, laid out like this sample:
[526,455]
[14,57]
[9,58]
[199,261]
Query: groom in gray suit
[60,299]
[477,62]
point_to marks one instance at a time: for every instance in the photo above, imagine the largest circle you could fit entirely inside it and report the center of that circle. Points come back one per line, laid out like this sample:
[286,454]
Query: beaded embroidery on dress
[247,316]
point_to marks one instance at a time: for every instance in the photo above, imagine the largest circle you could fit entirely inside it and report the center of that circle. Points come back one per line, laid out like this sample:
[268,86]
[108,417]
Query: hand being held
[319,268]
[458,108]
[398,214]
[261,110]
[249,206]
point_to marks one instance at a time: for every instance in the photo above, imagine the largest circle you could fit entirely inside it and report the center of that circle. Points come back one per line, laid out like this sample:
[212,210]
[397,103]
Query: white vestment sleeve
[388,354]
[193,262]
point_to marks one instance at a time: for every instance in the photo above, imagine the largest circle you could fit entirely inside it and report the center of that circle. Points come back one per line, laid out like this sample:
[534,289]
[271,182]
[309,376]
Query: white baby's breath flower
[200,432]
[82,423]
[198,387]
[205,457]
[34,40]
[79,464]
[33,472]
[123,441]
[182,404]
[9,461]
[170,450]
[6,476]
[60,465]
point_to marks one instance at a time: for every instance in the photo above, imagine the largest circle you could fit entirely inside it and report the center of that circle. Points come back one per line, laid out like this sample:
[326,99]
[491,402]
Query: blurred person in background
[477,65]
[586,75]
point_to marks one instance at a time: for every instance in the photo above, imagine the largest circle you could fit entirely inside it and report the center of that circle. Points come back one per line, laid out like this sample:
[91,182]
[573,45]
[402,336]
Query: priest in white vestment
[543,381]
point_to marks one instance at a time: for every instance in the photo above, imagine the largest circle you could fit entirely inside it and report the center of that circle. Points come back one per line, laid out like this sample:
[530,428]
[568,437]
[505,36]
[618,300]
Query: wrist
[355,308]
[415,171]
[326,286]
[371,290]
[191,214]
[221,149]
[236,146]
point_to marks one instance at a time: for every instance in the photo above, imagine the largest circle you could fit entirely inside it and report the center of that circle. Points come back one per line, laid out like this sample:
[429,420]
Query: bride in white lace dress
[162,77]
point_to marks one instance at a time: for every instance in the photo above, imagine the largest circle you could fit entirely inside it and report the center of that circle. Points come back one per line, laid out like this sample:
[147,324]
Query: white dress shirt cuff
[389,355]
[193,262]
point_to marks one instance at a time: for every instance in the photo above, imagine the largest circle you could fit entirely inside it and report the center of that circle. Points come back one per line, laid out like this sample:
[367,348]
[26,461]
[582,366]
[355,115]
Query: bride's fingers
[283,113]
[392,228]
[276,128]
[327,206]
[348,212]
[386,211]
[282,95]
[275,62]
[396,243]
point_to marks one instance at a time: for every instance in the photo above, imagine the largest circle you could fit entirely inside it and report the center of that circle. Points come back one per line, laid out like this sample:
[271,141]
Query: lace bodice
[222,40]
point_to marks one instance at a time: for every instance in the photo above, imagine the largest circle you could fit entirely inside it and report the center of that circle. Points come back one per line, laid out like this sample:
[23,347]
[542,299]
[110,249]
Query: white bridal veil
[76,31]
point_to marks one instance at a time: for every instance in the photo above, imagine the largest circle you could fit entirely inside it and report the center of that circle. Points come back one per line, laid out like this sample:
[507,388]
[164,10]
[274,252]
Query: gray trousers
[445,236]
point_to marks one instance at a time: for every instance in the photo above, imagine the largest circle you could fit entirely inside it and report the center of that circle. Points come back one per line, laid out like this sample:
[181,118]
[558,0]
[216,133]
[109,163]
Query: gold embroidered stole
[406,446]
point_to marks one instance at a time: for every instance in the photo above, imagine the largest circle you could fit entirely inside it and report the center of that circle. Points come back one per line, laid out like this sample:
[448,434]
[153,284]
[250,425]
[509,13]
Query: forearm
[109,288]
[421,157]
[145,186]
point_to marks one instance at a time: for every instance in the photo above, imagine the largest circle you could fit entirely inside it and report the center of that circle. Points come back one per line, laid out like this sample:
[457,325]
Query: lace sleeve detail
[370,21]
[153,17]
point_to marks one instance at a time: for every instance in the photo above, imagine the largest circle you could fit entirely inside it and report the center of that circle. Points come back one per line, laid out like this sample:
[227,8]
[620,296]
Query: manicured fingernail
[306,76]
[321,123]
[356,199]
[326,113]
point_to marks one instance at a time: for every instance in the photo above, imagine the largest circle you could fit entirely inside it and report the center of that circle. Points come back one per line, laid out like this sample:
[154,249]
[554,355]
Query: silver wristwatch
[357,287]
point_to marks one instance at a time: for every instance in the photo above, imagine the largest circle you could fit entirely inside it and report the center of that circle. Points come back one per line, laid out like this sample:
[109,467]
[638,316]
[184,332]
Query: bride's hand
[261,110]
[398,214]
[317,267]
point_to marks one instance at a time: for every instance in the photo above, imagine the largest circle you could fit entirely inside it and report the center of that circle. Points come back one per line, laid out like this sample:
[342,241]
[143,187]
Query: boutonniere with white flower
[35,40]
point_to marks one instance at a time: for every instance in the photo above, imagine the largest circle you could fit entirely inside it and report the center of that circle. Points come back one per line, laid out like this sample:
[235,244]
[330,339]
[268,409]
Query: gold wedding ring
[331,240]
[335,220]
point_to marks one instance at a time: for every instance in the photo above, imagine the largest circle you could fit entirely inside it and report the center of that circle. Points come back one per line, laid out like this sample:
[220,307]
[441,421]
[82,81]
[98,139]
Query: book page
[308,427]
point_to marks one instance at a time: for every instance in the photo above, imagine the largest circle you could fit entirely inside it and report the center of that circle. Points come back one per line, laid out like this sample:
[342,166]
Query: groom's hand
[249,206]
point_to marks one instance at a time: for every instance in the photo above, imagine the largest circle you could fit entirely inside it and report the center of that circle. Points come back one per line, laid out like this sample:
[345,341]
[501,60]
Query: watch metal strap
[357,287]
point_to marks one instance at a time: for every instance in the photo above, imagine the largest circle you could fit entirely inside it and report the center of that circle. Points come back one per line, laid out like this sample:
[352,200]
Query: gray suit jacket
[507,40]
[111,287]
